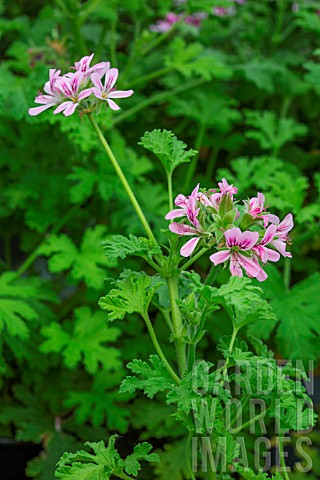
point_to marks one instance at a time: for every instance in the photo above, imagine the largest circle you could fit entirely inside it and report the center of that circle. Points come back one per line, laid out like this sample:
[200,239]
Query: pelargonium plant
[216,404]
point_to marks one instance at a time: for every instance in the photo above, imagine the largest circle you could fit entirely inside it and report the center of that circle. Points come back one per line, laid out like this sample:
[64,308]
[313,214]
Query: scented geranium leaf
[28,413]
[20,301]
[190,59]
[262,72]
[86,343]
[119,246]
[173,462]
[152,377]
[299,312]
[43,466]
[140,453]
[103,462]
[101,404]
[241,299]
[207,108]
[86,263]
[272,132]
[133,292]
[85,181]
[248,474]
[82,465]
[167,148]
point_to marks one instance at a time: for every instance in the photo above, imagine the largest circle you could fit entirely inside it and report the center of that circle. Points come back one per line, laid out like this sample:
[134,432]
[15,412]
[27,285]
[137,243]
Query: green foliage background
[244,91]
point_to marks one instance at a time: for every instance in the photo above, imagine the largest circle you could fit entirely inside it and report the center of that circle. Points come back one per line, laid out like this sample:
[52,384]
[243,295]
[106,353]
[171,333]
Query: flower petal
[220,257]
[189,247]
[95,79]
[120,94]
[175,214]
[251,267]
[85,93]
[36,110]
[112,104]
[182,229]
[111,78]
[70,109]
[232,236]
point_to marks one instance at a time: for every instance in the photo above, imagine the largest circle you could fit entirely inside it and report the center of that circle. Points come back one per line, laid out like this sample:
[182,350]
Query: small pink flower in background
[236,242]
[196,19]
[295,7]
[164,25]
[70,86]
[255,206]
[223,12]
[108,90]
[54,95]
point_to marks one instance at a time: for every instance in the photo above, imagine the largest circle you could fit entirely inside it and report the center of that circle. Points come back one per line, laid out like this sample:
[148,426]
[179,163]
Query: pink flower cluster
[165,24]
[83,88]
[245,235]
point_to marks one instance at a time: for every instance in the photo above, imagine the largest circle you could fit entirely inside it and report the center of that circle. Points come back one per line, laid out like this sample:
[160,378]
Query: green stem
[158,348]
[169,179]
[188,455]
[172,283]
[249,422]
[282,460]
[150,76]
[276,37]
[158,97]
[193,259]
[233,339]
[193,164]
[122,475]
[122,177]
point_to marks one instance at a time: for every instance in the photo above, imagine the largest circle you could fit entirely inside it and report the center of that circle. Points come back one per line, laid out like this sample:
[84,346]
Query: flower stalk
[122,177]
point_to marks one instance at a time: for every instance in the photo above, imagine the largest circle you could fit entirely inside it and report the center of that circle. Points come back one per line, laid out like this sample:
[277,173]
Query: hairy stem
[122,177]
[172,283]
[158,348]
[287,273]
[169,179]
[233,339]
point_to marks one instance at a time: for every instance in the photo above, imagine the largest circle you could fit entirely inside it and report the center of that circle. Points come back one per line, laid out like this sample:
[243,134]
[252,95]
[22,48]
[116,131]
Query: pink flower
[226,188]
[84,66]
[54,95]
[236,242]
[187,207]
[108,90]
[262,251]
[280,243]
[223,12]
[196,19]
[70,87]
[164,25]
[256,208]
[183,229]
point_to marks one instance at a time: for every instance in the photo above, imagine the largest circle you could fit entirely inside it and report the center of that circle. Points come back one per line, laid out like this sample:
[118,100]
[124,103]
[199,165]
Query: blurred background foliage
[243,88]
